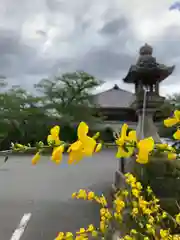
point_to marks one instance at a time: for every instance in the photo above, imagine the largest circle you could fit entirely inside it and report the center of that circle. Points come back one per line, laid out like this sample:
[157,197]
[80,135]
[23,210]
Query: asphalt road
[45,192]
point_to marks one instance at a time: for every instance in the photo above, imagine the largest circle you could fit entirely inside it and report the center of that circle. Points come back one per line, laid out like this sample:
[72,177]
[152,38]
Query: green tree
[171,103]
[70,97]
[23,117]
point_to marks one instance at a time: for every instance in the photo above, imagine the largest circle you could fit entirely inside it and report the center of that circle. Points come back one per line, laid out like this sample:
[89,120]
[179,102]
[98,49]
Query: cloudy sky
[101,37]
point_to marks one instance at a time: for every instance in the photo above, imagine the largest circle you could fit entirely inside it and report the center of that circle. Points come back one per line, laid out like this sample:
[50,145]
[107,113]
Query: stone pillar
[157,88]
[146,127]
[151,88]
[136,87]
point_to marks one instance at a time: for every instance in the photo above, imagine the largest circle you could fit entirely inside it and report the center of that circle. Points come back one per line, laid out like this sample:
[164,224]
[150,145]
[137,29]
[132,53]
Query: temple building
[114,105]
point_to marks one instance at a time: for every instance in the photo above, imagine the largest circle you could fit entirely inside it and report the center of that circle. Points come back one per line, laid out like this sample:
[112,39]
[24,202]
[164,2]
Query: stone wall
[116,125]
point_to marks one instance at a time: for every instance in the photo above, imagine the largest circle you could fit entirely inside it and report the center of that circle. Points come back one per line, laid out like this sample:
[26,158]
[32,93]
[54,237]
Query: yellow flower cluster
[144,207]
[128,143]
[85,146]
[174,120]
[105,217]
[147,214]
[105,214]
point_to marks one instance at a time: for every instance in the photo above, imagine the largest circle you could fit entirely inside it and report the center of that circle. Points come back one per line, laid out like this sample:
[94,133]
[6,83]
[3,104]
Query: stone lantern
[146,75]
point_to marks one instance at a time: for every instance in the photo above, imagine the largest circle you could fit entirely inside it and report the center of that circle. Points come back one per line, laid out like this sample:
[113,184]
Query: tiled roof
[114,98]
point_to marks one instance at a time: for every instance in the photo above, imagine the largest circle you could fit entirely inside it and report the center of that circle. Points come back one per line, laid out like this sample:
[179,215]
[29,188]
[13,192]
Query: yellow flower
[135,204]
[169,122]
[57,154]
[60,236]
[139,186]
[142,203]
[69,235]
[119,202]
[176,237]
[172,156]
[130,179]
[54,136]
[91,195]
[132,137]
[149,190]
[122,139]
[19,146]
[147,211]
[118,216]
[103,219]
[36,158]
[74,195]
[81,231]
[135,192]
[164,215]
[119,205]
[108,215]
[87,142]
[145,146]
[151,220]
[178,218]
[102,227]
[150,228]
[171,152]
[75,152]
[164,234]
[94,233]
[84,146]
[103,201]
[133,231]
[127,237]
[96,135]
[98,147]
[90,228]
[82,237]
[161,146]
[134,212]
[125,193]
[176,135]
[102,211]
[82,194]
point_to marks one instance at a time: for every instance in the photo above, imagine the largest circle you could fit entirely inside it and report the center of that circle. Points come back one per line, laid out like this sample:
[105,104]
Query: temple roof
[114,98]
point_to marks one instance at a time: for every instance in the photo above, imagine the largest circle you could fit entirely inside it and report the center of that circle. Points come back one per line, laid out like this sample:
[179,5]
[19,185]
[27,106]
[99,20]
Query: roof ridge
[114,88]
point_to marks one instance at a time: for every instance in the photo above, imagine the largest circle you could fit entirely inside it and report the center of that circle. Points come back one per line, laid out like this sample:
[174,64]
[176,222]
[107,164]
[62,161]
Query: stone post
[146,127]
[145,105]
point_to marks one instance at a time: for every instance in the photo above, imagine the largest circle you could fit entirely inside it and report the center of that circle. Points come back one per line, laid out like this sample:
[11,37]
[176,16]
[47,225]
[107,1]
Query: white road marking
[22,225]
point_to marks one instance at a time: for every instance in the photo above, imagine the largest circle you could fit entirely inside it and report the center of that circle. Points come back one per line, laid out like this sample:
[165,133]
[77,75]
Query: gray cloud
[105,63]
[167,46]
[14,54]
[114,26]
[167,51]
[80,35]
[54,5]
[41,33]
